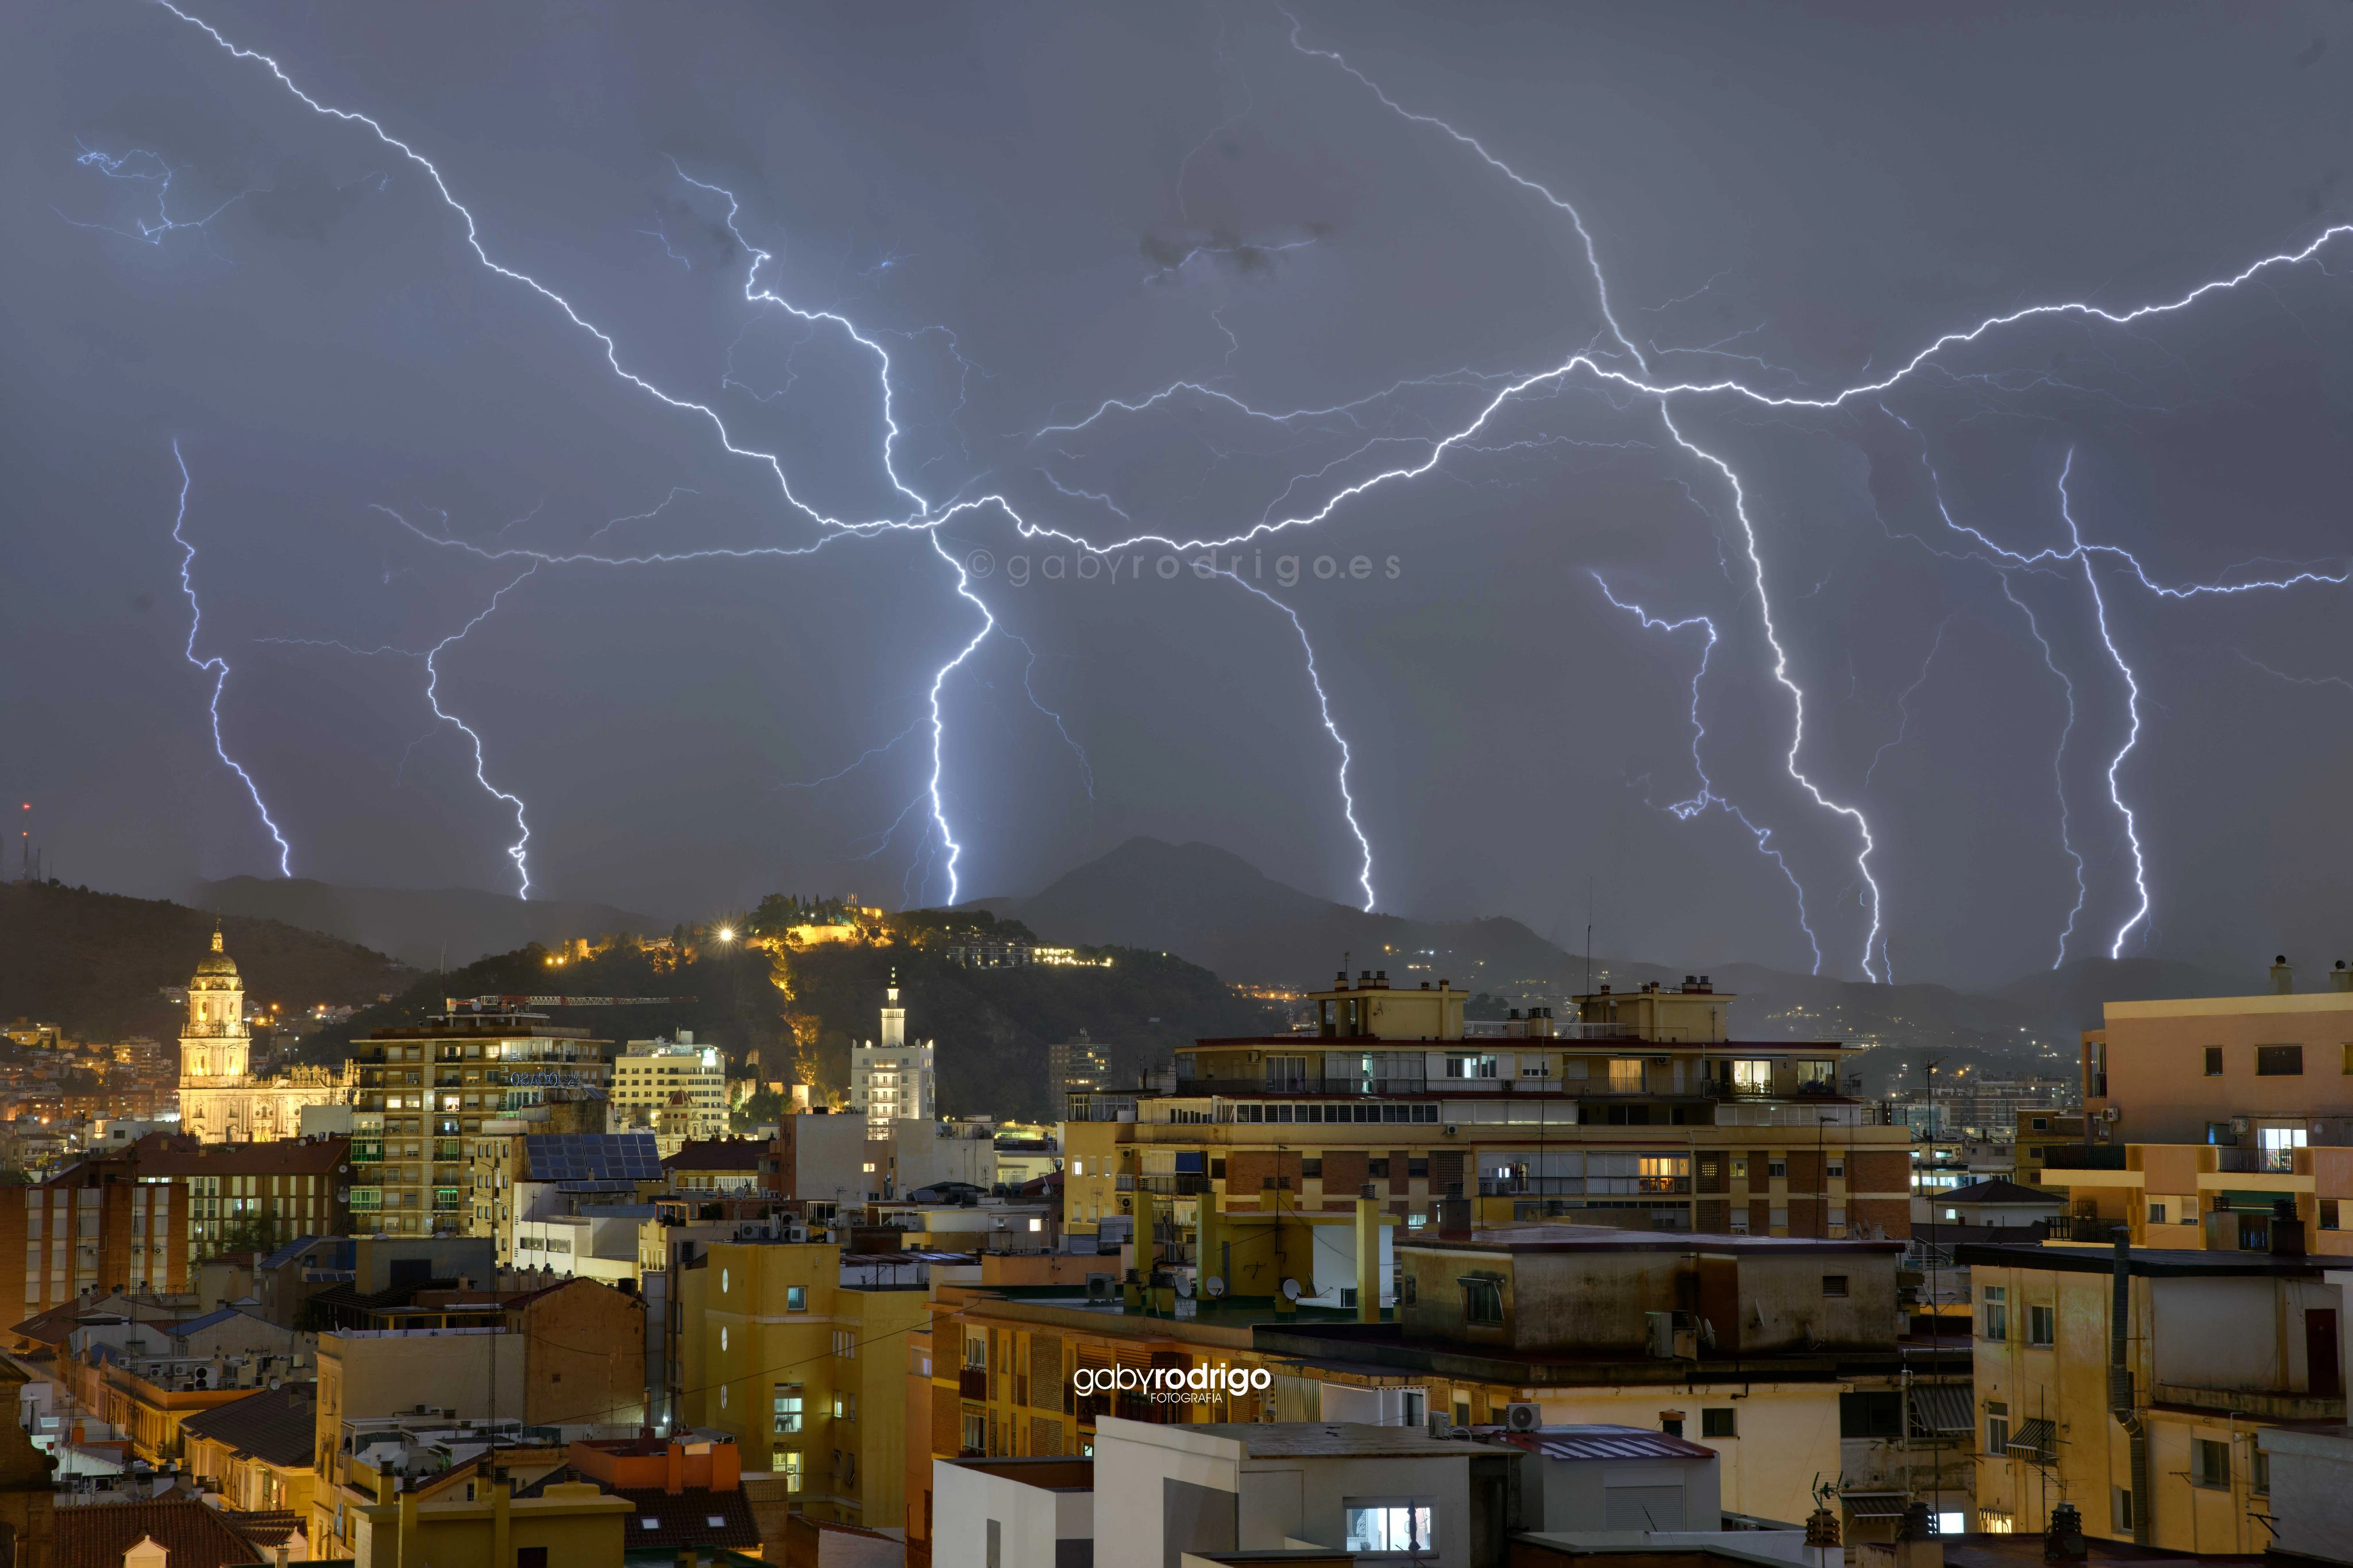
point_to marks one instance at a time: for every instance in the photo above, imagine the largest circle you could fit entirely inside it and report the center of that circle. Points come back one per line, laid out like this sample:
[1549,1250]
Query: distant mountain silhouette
[96,963]
[413,925]
[1214,907]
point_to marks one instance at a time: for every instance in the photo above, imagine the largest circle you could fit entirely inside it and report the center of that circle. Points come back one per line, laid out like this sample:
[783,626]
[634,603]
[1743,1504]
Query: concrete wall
[1030,1520]
[1787,1435]
[2157,1060]
[2312,1493]
[1134,1460]
[1575,1494]
[469,1372]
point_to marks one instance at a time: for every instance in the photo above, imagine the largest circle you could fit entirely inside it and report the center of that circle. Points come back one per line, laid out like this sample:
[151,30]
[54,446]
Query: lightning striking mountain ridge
[1331,728]
[216,667]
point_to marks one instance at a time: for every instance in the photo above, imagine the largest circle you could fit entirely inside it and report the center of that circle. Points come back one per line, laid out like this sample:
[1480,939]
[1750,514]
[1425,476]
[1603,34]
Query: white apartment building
[890,1080]
[675,1090]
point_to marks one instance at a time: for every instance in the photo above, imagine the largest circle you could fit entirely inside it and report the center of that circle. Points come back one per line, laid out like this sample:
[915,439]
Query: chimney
[2283,977]
[2340,978]
[2063,1542]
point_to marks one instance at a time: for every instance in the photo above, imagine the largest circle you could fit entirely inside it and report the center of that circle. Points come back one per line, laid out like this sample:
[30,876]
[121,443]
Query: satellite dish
[1213,1287]
[1184,1286]
[1290,1290]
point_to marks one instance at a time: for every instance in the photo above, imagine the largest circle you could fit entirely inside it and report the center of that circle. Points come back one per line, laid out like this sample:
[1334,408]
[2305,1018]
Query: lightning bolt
[216,667]
[2058,763]
[1324,708]
[754,293]
[2131,711]
[141,164]
[1684,810]
[1904,703]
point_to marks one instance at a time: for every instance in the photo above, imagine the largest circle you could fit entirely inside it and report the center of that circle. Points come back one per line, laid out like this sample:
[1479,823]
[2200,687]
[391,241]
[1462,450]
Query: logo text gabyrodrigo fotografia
[1172,1384]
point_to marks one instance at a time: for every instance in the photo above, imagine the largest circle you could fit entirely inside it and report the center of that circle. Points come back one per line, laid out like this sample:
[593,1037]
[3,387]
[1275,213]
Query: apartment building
[2135,1382]
[257,1196]
[2217,1122]
[675,1090]
[1078,1065]
[421,1097]
[805,1370]
[1785,1357]
[92,1226]
[1650,1114]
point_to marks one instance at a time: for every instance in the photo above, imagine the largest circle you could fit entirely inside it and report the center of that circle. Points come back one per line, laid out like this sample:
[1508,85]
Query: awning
[1943,1409]
[2035,1439]
[1873,1505]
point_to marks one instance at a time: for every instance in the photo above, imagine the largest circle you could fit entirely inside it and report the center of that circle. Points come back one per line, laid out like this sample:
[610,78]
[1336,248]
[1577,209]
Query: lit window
[796,1297]
[788,1407]
[1387,1527]
[787,1462]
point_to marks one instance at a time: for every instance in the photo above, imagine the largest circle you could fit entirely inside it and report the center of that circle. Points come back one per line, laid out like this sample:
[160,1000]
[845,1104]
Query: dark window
[1834,1284]
[1776,1168]
[1217,1169]
[2042,1124]
[1673,1425]
[2328,1214]
[1870,1415]
[1482,1300]
[531,1557]
[2279,1061]
[1311,1167]
[1417,1167]
[1376,1167]
[2213,1062]
[1719,1421]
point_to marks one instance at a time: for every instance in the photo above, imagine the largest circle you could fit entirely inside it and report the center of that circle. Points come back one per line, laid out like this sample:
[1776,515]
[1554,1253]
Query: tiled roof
[157,1157]
[275,1426]
[694,1517]
[95,1535]
[719,1154]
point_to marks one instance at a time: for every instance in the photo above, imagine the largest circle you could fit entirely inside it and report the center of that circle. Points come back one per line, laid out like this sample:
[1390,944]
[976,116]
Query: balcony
[1352,1084]
[1182,1184]
[2255,1161]
[972,1383]
[2084,1157]
[2262,1406]
[2084,1228]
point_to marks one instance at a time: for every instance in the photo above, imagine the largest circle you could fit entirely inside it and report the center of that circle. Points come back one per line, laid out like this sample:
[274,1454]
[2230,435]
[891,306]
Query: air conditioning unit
[1101,1288]
[2112,1113]
[2241,1125]
[1441,1426]
[1523,1417]
[1450,1130]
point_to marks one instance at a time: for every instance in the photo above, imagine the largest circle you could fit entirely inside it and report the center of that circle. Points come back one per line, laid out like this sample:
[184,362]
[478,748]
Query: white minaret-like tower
[891,1079]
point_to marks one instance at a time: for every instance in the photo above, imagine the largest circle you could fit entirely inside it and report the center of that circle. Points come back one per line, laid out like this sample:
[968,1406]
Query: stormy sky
[924,270]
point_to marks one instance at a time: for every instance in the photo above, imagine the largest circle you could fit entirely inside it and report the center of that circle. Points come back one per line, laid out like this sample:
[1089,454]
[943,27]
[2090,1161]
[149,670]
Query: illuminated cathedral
[220,1100]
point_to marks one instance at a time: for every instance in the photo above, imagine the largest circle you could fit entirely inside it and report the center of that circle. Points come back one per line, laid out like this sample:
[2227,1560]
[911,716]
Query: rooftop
[1599,1442]
[275,1425]
[95,1535]
[2000,1190]
[1557,1238]
[719,1154]
[2148,1262]
[1286,1439]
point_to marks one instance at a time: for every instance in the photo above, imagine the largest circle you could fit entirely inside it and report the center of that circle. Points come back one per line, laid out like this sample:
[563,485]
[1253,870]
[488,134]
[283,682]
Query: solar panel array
[593,1157]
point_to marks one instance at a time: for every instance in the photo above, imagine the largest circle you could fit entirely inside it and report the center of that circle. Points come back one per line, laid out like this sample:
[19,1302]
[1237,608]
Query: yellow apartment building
[2137,1393]
[805,1370]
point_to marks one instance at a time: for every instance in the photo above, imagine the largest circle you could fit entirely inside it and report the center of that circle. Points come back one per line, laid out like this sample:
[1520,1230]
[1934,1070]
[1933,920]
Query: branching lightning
[216,667]
[1624,369]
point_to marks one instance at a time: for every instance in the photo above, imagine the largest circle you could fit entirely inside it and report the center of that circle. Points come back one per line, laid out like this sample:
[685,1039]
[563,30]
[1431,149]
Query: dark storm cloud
[1031,211]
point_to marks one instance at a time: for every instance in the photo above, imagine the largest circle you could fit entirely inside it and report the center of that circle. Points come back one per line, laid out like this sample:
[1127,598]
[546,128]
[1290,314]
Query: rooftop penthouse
[1654,1057]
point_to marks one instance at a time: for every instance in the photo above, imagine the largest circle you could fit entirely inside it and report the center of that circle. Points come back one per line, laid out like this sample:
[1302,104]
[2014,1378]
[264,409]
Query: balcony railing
[2084,1157]
[1294,1083]
[2255,1161]
[1182,1184]
[2084,1228]
[971,1382]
